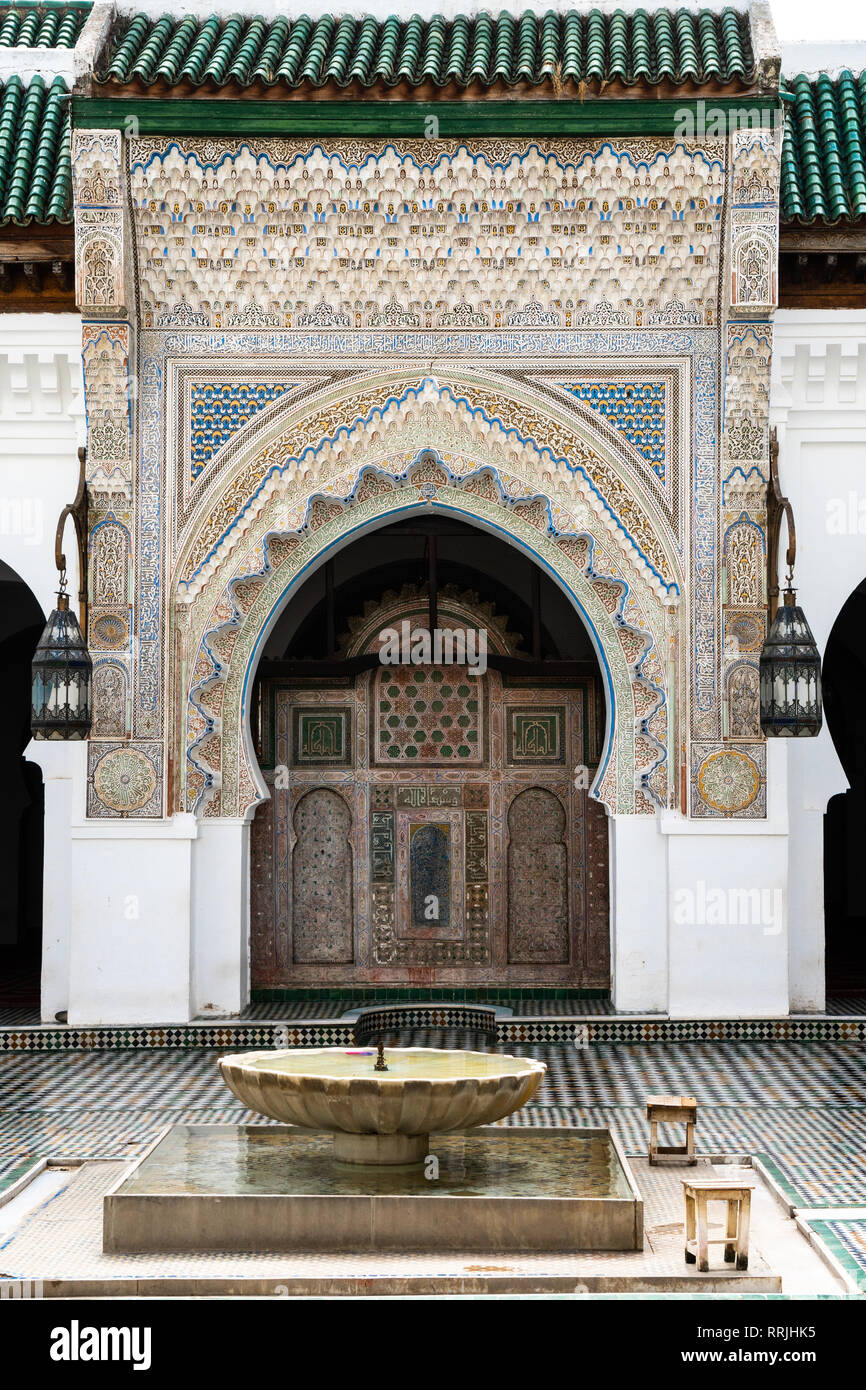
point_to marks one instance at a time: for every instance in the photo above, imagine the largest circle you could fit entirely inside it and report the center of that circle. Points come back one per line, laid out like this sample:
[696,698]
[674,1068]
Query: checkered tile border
[583,1032]
[183,1035]
[381,1022]
[579,1032]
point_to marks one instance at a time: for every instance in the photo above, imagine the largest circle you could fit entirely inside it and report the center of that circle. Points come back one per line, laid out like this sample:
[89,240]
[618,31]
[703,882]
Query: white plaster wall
[381,9]
[220,918]
[699,911]
[130,910]
[818,402]
[41,426]
[638,899]
[63,771]
[728,957]
[728,909]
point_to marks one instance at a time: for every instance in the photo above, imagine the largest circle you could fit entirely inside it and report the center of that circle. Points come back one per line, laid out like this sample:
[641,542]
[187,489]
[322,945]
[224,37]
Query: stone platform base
[55,1249]
[250,1189]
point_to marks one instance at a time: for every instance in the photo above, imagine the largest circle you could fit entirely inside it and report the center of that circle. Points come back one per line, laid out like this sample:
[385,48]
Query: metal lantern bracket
[77,510]
[790,663]
[777,507]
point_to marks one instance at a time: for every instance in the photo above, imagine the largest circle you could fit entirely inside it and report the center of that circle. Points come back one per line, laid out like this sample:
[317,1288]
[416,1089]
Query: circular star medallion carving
[728,781]
[110,630]
[124,779]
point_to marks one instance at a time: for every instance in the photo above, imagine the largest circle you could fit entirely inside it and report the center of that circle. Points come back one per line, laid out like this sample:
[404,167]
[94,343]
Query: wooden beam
[850,237]
[560,670]
[54,242]
[822,279]
[36,286]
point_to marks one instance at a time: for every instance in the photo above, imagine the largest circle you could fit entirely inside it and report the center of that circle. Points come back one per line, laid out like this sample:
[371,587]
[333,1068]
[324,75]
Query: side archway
[22,808]
[842,677]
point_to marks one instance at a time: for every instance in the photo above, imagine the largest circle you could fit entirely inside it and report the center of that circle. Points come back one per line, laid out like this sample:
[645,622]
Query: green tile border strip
[20,1174]
[824,1234]
[791,1196]
[815,1228]
[575,1030]
[532,117]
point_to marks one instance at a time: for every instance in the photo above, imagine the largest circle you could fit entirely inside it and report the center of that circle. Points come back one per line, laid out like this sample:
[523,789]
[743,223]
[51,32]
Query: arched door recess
[230,621]
[427,820]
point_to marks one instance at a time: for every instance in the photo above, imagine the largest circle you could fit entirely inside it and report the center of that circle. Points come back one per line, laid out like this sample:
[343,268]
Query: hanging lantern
[61,677]
[790,666]
[790,670]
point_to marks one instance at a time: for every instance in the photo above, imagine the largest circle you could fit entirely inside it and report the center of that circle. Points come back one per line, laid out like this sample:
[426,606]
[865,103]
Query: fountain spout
[380,1064]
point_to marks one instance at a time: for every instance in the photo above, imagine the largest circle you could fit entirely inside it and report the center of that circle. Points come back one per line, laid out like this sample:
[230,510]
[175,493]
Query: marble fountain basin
[486,1187]
[382,1117]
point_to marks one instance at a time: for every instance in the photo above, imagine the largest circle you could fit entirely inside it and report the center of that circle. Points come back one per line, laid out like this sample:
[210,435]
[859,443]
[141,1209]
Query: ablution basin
[382,1107]
[395,1150]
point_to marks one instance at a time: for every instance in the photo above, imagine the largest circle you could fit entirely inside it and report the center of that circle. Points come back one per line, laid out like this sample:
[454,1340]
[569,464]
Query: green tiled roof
[823,159]
[528,50]
[824,150]
[42,26]
[35,159]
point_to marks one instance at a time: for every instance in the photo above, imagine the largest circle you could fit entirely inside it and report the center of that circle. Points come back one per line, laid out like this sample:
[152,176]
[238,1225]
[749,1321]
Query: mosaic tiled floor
[800,1107]
[802,1104]
[60,1241]
[27,1015]
[523,1008]
[846,1004]
[19,1015]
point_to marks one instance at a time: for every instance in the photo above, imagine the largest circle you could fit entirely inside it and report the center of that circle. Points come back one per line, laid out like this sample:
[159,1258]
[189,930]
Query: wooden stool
[672,1110]
[738,1196]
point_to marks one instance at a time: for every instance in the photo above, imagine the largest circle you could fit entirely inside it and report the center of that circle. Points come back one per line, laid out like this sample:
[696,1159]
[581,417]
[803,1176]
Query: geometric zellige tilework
[582,1030]
[847,1241]
[801,1107]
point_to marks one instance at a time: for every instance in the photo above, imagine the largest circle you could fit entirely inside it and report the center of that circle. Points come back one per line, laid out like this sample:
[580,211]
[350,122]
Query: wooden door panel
[510,845]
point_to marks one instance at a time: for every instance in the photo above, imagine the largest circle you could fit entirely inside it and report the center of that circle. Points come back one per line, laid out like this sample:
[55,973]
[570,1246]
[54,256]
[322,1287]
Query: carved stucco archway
[259,542]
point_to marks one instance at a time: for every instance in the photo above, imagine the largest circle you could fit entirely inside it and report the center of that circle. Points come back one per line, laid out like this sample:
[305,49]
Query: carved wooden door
[430,826]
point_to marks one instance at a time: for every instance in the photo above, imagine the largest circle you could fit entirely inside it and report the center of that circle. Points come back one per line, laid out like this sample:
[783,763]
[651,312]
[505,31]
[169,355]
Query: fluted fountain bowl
[382,1117]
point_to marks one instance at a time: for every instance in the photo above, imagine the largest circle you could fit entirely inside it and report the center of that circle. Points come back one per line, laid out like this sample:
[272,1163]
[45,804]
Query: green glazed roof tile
[529,50]
[42,26]
[824,149]
[35,158]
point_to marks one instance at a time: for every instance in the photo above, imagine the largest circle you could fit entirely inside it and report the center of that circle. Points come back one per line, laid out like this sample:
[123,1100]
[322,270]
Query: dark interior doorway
[844,680]
[431,553]
[22,800]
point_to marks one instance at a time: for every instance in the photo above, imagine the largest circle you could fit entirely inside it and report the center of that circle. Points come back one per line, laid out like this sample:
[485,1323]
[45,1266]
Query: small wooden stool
[672,1110]
[738,1197]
